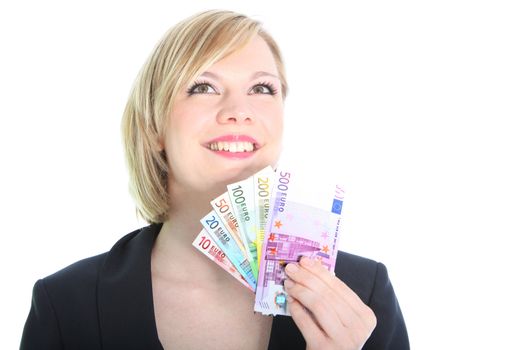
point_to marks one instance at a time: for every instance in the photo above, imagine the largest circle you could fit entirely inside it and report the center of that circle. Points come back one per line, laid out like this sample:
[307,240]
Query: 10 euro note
[304,220]
[206,245]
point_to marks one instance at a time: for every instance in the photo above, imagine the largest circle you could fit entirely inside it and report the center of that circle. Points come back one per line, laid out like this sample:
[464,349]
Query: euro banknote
[226,243]
[206,245]
[242,198]
[224,209]
[304,220]
[262,184]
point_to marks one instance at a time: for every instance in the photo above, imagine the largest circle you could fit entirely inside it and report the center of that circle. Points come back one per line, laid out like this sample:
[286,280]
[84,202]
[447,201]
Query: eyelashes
[270,88]
[195,85]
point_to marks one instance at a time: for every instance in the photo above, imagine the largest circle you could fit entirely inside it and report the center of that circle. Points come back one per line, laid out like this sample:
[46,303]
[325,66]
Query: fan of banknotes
[266,221]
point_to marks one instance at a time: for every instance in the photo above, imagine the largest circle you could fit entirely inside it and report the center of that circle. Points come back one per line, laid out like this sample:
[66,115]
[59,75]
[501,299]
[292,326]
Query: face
[228,123]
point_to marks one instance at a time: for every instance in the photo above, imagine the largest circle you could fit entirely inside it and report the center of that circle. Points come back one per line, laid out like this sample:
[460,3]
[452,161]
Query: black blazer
[106,302]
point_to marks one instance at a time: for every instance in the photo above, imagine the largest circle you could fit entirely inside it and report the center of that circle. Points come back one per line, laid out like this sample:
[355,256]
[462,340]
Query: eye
[201,88]
[264,88]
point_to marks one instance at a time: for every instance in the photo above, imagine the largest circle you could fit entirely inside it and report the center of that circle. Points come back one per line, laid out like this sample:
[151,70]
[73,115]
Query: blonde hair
[182,54]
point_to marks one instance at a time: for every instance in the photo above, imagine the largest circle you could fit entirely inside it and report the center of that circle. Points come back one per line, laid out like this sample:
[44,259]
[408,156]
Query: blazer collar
[125,298]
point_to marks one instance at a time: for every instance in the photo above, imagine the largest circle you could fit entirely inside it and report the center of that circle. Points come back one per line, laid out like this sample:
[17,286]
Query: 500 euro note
[304,220]
[206,245]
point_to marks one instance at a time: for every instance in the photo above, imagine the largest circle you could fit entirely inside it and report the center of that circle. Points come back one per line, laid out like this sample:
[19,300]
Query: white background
[417,105]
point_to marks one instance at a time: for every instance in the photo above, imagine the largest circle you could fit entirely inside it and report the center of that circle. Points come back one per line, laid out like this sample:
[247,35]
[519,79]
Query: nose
[235,111]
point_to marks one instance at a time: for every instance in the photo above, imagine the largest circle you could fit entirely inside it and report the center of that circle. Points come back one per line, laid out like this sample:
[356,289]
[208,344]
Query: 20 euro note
[206,245]
[305,220]
[225,241]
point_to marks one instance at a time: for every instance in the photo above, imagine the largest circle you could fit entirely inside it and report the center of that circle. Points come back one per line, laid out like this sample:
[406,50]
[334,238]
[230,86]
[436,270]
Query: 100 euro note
[304,220]
[242,198]
[206,245]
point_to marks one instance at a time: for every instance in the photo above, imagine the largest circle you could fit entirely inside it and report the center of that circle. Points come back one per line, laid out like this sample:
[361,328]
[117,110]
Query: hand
[328,313]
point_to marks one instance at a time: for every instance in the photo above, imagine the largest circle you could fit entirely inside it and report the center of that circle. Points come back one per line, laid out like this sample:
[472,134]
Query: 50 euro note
[224,209]
[206,245]
[304,220]
[242,198]
[226,243]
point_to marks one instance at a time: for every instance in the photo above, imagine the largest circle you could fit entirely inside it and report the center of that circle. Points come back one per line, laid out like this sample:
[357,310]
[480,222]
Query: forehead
[248,60]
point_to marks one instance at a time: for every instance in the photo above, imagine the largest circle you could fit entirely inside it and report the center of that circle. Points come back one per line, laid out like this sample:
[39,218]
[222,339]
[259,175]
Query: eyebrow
[255,75]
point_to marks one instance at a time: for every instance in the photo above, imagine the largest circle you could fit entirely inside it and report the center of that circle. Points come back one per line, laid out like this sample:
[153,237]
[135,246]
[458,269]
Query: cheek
[189,117]
[275,124]
[183,132]
[186,125]
[272,116]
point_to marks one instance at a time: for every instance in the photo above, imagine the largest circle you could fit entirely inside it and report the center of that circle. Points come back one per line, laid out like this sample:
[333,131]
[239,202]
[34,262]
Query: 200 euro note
[262,185]
[305,220]
[206,245]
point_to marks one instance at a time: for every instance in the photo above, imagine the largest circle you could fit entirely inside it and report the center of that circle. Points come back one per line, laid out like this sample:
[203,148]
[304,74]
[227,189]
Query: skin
[233,102]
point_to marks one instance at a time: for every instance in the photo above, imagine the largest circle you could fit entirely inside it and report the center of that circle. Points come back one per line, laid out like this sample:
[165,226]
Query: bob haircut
[183,53]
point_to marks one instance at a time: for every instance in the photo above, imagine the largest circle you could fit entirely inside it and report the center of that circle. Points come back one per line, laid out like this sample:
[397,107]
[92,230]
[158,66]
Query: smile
[232,147]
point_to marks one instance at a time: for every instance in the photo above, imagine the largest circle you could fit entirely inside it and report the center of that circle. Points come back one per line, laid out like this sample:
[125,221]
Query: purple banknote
[304,220]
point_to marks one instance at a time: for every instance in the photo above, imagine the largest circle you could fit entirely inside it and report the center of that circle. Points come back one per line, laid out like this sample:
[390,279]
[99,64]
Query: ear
[159,145]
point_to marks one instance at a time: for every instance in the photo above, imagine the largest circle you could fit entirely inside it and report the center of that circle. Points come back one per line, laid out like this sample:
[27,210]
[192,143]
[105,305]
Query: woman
[206,110]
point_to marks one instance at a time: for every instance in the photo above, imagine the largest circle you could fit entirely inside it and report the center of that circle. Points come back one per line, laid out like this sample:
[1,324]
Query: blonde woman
[206,110]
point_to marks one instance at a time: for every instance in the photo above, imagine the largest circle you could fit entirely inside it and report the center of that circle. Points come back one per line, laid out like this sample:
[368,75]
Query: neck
[174,256]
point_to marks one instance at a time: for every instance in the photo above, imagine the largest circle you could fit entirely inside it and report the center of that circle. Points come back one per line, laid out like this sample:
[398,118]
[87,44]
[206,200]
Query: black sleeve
[41,329]
[390,332]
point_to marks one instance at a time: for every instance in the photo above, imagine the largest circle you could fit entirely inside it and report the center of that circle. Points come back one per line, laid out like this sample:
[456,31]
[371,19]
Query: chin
[238,173]
[229,171]
[235,174]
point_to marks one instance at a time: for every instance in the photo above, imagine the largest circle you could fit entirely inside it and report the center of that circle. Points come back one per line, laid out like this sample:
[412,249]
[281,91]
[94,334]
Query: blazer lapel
[125,298]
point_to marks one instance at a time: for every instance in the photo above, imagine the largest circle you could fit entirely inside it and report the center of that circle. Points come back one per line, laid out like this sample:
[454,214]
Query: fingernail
[291,268]
[306,261]
[288,284]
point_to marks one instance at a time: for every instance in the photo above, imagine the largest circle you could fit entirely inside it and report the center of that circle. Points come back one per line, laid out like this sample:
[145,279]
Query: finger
[304,321]
[340,288]
[322,310]
[306,278]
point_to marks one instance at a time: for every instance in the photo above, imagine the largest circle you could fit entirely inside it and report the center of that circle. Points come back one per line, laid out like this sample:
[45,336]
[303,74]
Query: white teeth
[234,147]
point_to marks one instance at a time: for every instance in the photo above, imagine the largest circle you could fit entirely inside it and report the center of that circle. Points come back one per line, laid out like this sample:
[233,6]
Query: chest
[192,318]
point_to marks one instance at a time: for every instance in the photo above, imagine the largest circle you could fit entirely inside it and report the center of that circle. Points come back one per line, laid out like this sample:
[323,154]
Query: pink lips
[235,138]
